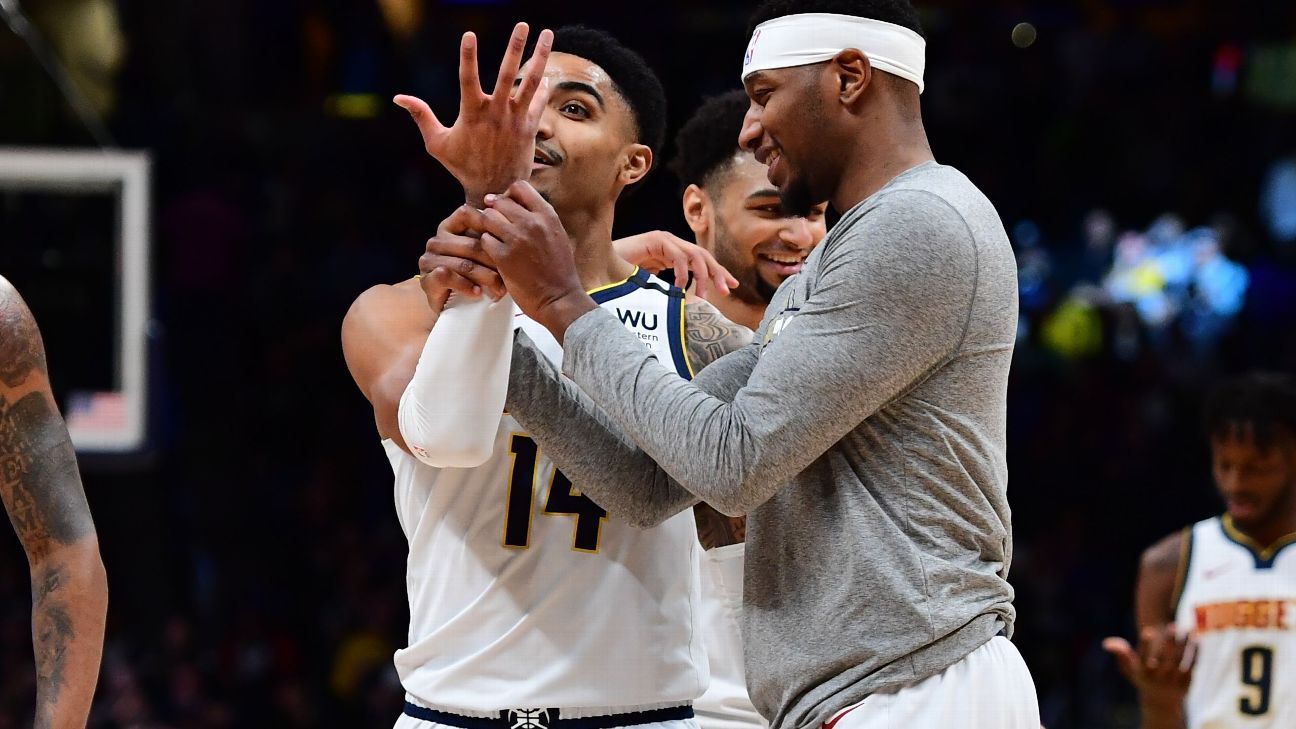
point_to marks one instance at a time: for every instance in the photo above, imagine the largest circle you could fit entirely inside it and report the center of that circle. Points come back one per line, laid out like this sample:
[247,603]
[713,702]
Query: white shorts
[408,722]
[989,689]
[725,705]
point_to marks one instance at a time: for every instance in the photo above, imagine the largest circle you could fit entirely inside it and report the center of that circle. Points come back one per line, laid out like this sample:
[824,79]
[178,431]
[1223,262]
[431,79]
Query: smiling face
[788,130]
[586,149]
[752,235]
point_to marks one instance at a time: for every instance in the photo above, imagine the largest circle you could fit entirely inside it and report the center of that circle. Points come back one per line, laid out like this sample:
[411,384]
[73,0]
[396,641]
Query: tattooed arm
[710,337]
[42,494]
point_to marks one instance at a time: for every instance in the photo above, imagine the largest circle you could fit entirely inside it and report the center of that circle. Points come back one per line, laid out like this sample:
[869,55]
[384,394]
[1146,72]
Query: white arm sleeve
[450,411]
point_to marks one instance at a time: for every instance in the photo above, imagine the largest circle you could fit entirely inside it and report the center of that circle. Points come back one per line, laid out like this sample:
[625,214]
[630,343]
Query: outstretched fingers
[428,125]
[1126,659]
[469,77]
[538,104]
[511,63]
[525,94]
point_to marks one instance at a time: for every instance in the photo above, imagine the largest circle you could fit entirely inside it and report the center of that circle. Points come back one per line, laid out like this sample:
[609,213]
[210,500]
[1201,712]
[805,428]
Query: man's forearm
[69,605]
[700,439]
[449,413]
[581,440]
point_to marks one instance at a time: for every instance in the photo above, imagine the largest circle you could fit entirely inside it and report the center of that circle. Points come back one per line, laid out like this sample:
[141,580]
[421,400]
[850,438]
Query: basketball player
[862,432]
[1223,590]
[530,605]
[735,213]
[42,494]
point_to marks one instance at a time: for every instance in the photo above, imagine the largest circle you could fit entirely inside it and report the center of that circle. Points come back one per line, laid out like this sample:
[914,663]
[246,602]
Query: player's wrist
[563,311]
[1162,710]
[478,186]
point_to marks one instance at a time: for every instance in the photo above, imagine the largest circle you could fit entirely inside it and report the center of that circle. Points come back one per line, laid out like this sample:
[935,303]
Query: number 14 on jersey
[561,501]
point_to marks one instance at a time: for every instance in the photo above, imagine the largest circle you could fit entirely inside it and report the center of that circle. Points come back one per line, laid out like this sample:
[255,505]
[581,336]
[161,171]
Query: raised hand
[658,250]
[492,142]
[1160,667]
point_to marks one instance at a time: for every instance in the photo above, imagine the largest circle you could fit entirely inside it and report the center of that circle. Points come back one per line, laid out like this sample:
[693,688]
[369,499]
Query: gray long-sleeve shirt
[862,432]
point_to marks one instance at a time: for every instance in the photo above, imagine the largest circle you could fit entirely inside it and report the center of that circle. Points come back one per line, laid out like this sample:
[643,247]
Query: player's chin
[544,179]
[1245,511]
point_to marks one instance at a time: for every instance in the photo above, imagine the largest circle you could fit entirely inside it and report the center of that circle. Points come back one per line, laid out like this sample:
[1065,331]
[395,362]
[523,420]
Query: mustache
[550,152]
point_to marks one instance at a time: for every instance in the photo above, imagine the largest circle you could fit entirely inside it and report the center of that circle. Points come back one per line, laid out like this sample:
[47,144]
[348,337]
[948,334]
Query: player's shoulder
[388,303]
[1166,555]
[12,307]
[384,319]
[388,294]
[21,348]
[16,321]
[709,334]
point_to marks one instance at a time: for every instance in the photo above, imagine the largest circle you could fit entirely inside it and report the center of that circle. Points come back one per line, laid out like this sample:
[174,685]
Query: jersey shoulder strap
[654,295]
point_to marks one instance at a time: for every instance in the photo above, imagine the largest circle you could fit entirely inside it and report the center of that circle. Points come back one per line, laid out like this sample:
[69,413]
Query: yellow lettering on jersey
[1243,614]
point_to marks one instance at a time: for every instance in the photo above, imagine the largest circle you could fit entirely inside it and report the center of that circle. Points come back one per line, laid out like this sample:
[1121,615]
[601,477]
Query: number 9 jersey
[523,593]
[1239,600]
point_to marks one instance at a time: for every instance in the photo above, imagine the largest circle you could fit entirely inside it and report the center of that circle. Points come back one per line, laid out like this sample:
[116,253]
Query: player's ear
[697,211]
[636,164]
[852,74]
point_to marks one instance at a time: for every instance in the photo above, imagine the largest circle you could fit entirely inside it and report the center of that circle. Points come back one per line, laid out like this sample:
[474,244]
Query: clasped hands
[519,237]
[515,245]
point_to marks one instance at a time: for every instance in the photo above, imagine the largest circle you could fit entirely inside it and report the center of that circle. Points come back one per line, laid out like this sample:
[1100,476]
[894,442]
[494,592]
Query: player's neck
[877,159]
[737,311]
[597,263]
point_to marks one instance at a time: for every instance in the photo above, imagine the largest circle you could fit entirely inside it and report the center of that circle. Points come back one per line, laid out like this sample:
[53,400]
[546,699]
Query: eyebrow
[583,88]
[768,192]
[753,78]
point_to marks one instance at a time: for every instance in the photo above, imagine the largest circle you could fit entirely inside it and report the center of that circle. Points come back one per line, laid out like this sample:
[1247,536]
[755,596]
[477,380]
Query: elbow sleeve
[449,413]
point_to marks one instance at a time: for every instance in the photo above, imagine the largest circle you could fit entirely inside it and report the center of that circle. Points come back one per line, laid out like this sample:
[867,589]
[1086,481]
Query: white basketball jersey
[725,705]
[523,594]
[1240,602]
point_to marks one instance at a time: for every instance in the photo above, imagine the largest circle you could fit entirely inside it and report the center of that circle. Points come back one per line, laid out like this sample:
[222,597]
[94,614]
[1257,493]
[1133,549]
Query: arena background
[1142,154]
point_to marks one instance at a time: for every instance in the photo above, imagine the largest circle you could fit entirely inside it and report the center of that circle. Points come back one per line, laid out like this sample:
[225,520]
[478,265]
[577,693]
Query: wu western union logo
[1241,614]
[637,319]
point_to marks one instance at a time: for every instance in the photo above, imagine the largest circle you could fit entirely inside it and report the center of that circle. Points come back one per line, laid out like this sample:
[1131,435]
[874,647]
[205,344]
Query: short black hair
[896,12]
[705,146]
[631,76]
[1261,403]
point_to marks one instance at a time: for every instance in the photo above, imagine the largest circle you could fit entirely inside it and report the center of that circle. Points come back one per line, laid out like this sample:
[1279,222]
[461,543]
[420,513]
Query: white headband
[799,40]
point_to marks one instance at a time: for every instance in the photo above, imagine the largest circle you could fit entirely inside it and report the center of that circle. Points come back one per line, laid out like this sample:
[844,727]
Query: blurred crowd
[1142,154]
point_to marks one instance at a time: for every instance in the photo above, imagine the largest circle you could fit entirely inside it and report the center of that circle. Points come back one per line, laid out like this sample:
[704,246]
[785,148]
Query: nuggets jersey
[522,593]
[725,705]
[1240,602]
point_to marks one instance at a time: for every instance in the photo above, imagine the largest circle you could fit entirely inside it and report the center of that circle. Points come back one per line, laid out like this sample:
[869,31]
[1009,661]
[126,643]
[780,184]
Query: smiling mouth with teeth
[785,260]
